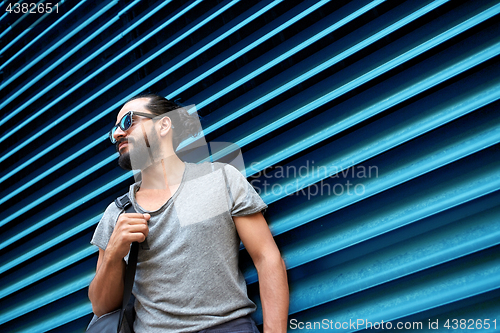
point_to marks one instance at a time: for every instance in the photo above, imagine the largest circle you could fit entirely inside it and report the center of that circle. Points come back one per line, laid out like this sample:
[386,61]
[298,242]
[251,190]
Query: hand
[130,227]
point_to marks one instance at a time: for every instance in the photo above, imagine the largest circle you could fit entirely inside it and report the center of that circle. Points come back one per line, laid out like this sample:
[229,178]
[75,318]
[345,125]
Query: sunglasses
[127,121]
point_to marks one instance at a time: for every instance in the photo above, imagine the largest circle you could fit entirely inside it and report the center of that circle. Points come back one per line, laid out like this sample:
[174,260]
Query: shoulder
[233,173]
[106,226]
[231,168]
[206,168]
[111,213]
[216,173]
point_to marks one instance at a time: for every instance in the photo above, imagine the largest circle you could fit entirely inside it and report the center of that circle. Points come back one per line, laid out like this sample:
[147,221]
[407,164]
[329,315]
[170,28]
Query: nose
[118,134]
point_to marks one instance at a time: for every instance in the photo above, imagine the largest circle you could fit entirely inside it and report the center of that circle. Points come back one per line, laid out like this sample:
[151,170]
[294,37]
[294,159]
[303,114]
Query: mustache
[117,144]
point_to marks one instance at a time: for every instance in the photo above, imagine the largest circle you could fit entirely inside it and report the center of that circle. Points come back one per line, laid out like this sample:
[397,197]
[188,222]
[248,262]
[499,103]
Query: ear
[165,126]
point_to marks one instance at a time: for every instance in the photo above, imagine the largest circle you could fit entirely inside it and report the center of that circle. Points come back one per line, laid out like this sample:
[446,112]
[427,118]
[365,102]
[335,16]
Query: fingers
[129,225]
[134,237]
[137,228]
[133,218]
[137,215]
[133,232]
[129,228]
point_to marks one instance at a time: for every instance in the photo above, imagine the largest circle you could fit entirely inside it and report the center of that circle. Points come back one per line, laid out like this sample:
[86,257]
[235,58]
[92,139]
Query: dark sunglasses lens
[112,134]
[126,122]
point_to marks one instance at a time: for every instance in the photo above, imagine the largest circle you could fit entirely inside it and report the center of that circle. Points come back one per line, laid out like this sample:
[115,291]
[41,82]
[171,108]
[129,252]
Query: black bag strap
[123,202]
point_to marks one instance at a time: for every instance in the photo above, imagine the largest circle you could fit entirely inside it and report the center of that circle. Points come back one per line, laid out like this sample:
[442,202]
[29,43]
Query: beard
[124,161]
[143,153]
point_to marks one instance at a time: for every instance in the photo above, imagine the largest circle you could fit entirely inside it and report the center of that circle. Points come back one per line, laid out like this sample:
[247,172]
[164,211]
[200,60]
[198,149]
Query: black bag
[121,320]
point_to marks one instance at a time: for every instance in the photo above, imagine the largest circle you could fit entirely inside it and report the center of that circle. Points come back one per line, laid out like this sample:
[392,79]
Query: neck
[162,174]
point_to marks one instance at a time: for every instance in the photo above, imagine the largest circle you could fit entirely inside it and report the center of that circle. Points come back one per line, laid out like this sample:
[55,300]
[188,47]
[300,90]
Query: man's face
[134,144]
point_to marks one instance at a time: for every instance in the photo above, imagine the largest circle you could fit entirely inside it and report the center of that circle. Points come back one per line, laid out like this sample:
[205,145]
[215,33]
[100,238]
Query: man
[193,217]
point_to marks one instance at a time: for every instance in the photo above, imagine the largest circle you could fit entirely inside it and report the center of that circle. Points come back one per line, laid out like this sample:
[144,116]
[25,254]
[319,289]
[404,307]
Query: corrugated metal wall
[370,128]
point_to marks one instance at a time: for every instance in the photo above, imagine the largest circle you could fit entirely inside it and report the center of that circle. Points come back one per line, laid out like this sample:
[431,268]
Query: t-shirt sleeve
[244,199]
[105,227]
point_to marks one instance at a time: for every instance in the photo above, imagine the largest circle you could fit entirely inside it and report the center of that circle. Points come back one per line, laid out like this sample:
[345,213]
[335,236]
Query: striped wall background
[370,128]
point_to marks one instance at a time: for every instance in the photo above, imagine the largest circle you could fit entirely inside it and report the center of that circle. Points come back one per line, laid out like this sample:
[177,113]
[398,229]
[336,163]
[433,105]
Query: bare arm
[258,240]
[106,289]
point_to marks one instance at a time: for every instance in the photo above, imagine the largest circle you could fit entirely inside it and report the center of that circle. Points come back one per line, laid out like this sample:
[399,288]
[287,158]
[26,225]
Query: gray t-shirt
[189,280]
